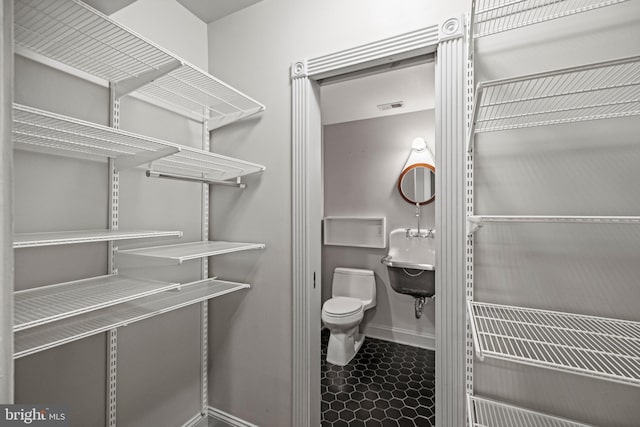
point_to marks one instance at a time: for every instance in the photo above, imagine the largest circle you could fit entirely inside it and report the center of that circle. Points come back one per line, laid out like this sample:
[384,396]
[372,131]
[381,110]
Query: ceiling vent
[391,105]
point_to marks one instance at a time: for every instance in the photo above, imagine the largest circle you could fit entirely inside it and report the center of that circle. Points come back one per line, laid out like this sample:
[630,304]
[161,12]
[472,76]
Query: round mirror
[417,183]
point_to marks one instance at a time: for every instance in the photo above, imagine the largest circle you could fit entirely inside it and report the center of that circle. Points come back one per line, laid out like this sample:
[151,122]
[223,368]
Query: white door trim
[6,203]
[306,241]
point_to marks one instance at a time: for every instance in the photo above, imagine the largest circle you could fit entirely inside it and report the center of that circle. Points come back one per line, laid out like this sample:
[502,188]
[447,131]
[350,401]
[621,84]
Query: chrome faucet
[429,233]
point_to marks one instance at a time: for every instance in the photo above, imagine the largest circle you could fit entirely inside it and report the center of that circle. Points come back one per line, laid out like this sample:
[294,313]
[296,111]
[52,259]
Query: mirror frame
[409,169]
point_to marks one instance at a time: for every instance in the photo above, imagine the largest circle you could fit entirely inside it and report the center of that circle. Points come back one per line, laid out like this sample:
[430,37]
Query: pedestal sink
[411,264]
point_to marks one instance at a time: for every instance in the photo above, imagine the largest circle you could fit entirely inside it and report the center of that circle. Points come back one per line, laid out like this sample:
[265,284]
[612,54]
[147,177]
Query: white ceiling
[358,98]
[207,10]
[109,6]
[211,10]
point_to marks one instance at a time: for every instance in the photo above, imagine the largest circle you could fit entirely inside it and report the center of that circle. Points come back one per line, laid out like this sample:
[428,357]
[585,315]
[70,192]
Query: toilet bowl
[353,291]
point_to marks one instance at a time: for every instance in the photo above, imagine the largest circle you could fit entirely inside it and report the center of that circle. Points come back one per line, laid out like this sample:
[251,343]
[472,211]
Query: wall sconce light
[420,153]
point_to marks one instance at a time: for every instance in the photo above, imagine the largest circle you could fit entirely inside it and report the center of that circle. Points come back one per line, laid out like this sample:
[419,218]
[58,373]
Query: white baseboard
[203,420]
[196,421]
[232,420]
[400,336]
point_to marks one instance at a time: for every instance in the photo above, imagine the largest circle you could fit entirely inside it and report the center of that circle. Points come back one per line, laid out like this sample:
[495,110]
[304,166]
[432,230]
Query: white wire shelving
[64,331]
[597,91]
[496,16]
[483,412]
[187,251]
[39,130]
[53,238]
[47,304]
[74,34]
[598,347]
[476,221]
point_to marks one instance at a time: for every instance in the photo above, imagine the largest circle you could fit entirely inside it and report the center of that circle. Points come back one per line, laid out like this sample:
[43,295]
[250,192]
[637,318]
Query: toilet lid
[342,306]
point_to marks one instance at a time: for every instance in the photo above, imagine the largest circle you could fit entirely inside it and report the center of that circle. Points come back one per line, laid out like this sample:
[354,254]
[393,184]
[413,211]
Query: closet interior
[73,37]
[592,346]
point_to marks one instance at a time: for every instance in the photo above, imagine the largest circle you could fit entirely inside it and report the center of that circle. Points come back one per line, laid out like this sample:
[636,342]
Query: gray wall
[362,161]
[53,194]
[159,358]
[253,49]
[587,168]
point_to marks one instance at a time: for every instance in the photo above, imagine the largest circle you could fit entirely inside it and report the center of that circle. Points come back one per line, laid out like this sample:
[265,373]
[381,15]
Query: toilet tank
[355,283]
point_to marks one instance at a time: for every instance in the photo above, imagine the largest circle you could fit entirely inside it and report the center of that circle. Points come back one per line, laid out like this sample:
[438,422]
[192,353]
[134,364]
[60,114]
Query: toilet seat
[342,307]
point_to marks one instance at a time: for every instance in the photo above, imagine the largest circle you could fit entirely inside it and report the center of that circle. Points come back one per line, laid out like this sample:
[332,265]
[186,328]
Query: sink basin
[411,262]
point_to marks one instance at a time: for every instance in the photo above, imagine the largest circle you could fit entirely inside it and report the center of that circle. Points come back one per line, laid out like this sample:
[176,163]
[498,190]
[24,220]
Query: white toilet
[353,291]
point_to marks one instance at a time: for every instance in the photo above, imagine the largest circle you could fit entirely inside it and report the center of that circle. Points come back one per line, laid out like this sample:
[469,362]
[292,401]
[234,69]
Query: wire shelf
[72,33]
[64,331]
[191,89]
[31,240]
[597,91]
[481,219]
[597,347]
[39,130]
[188,251]
[47,304]
[474,222]
[489,413]
[495,16]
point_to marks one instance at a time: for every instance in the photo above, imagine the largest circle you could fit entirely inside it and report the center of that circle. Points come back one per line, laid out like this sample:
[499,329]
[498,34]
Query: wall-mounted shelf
[489,413]
[477,221]
[495,16]
[195,250]
[74,328]
[47,304]
[597,91]
[597,347]
[39,130]
[30,240]
[355,231]
[74,34]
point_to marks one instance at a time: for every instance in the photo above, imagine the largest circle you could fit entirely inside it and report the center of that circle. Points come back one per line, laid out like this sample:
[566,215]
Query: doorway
[370,120]
[448,40]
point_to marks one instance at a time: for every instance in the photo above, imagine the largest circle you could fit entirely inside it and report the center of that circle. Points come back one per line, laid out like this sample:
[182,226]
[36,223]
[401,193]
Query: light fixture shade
[419,144]
[420,153]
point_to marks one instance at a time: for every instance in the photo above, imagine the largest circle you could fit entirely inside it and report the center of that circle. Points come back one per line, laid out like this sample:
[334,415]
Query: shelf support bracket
[474,117]
[474,331]
[126,86]
[472,227]
[214,123]
[133,160]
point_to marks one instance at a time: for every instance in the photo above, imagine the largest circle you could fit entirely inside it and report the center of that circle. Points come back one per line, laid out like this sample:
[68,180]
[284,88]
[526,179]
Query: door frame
[447,41]
[6,204]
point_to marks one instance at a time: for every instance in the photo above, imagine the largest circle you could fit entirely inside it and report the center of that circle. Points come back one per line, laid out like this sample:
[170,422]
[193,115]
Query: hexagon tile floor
[386,384]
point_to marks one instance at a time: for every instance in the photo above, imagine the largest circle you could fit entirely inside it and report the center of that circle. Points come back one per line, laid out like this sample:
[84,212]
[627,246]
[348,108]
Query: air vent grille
[391,105]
